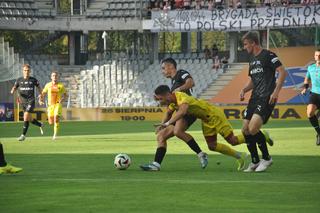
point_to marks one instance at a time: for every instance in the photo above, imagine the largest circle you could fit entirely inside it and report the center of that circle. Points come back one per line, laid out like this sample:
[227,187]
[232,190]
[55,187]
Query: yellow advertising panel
[287,112]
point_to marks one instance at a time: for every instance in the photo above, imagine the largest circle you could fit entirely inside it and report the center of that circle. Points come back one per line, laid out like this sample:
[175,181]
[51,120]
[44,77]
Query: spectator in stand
[285,3]
[198,4]
[214,51]
[224,63]
[238,4]
[210,5]
[179,4]
[216,63]
[207,53]
[167,5]
[187,4]
[219,4]
[267,3]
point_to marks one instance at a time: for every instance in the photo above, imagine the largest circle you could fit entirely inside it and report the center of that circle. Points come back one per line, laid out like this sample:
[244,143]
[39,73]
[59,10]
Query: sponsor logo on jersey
[256,70]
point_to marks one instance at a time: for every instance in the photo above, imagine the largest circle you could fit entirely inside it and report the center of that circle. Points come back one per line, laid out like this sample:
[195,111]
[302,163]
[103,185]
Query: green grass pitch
[76,173]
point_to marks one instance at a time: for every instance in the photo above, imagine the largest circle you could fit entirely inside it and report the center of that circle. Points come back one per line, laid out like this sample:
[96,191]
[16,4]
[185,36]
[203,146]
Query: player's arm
[246,88]
[63,97]
[15,87]
[189,83]
[166,118]
[182,111]
[281,78]
[42,94]
[306,84]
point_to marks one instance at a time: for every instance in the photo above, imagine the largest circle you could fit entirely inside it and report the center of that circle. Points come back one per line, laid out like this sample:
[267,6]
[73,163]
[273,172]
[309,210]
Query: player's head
[317,56]
[251,40]
[163,94]
[169,67]
[26,70]
[54,76]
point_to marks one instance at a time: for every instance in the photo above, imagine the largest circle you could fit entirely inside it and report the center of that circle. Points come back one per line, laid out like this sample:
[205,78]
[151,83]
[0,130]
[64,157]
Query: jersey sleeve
[63,89]
[185,75]
[183,98]
[45,89]
[16,84]
[274,60]
[36,83]
[308,76]
[172,107]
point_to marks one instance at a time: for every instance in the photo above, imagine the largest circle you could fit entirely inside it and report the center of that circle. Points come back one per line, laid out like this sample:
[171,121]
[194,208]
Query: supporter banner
[286,112]
[233,19]
[6,112]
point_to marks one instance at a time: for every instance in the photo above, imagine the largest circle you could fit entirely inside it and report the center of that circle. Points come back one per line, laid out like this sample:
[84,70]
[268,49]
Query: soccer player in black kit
[25,86]
[182,82]
[265,91]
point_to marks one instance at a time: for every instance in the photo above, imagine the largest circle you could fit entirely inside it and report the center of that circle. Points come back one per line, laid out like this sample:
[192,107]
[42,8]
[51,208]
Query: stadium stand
[108,85]
[10,62]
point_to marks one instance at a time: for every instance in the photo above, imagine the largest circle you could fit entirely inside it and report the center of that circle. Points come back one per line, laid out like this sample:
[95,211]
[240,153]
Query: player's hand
[304,91]
[241,95]
[273,98]
[158,129]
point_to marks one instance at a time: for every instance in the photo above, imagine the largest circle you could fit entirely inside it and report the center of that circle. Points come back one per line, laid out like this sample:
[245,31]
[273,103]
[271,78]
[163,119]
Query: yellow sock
[226,150]
[56,128]
[241,138]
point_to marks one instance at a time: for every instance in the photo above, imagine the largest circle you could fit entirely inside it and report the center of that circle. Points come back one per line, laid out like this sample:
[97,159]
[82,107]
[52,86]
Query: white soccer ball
[122,161]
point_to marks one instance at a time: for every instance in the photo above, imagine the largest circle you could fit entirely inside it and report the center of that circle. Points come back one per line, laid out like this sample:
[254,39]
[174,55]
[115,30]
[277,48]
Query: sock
[251,145]
[226,150]
[315,123]
[25,127]
[2,160]
[194,146]
[241,139]
[35,122]
[160,153]
[56,128]
[261,140]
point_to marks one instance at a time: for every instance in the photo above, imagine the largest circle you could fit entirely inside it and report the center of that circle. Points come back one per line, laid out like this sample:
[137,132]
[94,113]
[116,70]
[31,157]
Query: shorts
[28,106]
[54,110]
[315,99]
[190,119]
[217,124]
[260,107]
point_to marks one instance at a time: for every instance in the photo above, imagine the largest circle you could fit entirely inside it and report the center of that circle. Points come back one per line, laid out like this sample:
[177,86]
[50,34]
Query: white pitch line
[99,180]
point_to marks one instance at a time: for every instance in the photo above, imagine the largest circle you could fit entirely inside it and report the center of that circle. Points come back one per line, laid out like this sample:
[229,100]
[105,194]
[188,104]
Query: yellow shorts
[54,110]
[217,124]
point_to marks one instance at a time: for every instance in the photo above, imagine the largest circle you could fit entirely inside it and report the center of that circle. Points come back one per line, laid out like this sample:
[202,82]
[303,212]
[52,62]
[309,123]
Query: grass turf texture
[76,173]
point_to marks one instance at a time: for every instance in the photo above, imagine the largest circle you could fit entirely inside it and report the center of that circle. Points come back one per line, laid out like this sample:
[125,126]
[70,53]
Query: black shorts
[260,107]
[28,106]
[315,99]
[190,119]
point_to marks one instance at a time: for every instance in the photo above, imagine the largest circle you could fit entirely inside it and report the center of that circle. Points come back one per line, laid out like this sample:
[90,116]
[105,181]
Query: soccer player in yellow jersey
[56,94]
[213,119]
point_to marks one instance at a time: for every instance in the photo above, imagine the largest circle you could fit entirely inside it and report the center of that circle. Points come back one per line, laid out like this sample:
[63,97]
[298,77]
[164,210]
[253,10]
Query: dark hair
[252,36]
[162,90]
[27,66]
[170,61]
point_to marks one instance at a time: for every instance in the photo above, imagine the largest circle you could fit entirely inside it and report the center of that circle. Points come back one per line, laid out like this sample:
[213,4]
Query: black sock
[35,122]
[2,160]
[252,147]
[261,140]
[315,123]
[160,153]
[194,146]
[25,127]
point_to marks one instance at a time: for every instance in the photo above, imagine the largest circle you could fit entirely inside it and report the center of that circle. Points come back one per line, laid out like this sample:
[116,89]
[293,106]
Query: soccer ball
[122,161]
